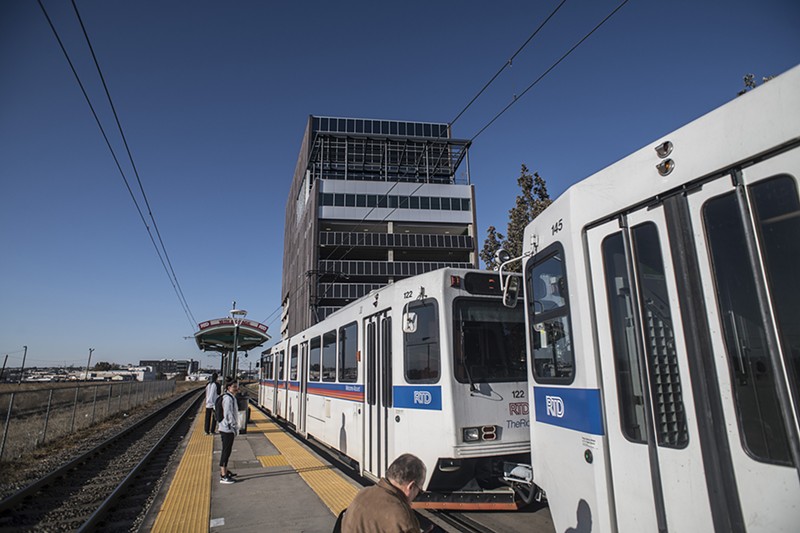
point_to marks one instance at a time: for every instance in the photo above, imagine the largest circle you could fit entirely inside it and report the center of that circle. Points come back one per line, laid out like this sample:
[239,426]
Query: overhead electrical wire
[133,165]
[119,167]
[510,61]
[546,72]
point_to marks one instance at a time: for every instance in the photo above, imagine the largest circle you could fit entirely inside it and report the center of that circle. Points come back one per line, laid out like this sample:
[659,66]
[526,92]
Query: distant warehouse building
[169,366]
[372,201]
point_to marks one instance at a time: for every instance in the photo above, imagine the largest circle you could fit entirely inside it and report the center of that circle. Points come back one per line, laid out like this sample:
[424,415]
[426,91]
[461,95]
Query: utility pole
[22,370]
[4,367]
[88,363]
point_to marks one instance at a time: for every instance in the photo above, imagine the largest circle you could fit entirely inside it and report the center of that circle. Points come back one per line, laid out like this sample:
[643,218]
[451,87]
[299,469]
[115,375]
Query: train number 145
[558,226]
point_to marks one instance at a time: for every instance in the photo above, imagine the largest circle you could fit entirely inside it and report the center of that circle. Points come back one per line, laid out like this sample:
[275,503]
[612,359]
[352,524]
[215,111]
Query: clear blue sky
[214,96]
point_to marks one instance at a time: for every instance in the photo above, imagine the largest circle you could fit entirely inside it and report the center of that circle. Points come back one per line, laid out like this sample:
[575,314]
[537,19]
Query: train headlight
[480,433]
[472,434]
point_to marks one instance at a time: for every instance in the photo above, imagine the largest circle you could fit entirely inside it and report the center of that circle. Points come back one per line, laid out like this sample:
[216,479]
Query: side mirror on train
[409,322]
[511,291]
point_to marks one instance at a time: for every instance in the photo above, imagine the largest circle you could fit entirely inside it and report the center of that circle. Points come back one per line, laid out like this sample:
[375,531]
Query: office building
[372,201]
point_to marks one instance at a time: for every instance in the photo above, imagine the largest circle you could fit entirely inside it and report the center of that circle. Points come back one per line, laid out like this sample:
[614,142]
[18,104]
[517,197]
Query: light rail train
[663,310]
[432,365]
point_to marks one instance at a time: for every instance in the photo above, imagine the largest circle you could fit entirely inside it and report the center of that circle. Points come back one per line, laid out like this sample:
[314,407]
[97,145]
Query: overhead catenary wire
[116,161]
[133,165]
[516,98]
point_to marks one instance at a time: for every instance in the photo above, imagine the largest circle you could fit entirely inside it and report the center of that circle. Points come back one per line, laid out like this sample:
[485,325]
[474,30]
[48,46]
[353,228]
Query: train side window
[659,342]
[371,377]
[551,337]
[293,364]
[348,346]
[422,355]
[630,395]
[313,360]
[281,356]
[777,212]
[268,367]
[329,356]
[665,383]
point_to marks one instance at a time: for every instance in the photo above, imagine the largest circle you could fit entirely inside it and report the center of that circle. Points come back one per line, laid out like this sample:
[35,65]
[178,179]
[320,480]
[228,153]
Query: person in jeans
[387,505]
[228,428]
[212,392]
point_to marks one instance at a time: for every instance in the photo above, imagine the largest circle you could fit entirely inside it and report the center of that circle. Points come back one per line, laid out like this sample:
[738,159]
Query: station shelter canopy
[216,335]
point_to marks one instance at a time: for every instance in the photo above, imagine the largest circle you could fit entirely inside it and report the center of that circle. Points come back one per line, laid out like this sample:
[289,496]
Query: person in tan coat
[386,507]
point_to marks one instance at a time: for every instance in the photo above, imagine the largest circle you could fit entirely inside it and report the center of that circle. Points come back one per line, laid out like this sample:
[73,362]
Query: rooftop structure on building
[372,201]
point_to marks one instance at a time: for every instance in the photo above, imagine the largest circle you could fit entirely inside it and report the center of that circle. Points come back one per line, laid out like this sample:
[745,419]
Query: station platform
[281,485]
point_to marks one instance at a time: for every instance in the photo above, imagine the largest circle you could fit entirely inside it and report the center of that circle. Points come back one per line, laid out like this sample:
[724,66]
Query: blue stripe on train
[578,409]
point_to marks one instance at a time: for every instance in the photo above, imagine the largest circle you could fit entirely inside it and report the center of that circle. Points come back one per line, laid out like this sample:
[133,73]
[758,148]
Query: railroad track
[109,487]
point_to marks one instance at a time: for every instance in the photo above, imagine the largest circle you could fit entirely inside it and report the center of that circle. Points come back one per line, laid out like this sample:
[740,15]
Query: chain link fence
[34,418]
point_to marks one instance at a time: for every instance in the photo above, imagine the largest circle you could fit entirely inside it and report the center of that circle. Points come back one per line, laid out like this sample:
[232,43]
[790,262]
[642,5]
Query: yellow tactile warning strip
[272,460]
[333,490]
[187,506]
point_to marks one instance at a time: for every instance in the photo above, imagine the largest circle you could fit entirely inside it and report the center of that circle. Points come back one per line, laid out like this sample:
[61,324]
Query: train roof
[735,134]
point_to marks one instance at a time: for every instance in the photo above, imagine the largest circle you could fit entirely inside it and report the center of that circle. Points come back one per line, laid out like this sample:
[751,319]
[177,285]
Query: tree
[532,200]
[493,242]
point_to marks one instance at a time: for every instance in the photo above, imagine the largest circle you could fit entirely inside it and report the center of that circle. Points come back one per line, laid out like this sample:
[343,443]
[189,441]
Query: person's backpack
[218,410]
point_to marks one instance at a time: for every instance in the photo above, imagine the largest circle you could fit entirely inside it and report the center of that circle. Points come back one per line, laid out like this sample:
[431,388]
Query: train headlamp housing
[480,433]
[472,434]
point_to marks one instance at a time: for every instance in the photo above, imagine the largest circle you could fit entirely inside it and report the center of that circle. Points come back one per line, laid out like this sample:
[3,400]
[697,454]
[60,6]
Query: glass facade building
[372,201]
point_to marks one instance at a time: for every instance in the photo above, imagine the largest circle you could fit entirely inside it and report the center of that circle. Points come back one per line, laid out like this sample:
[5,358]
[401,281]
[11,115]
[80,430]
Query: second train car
[432,365]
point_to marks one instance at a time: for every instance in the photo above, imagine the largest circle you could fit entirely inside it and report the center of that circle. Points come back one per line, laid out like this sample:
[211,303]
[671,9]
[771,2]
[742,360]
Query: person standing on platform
[212,392]
[228,428]
[386,507]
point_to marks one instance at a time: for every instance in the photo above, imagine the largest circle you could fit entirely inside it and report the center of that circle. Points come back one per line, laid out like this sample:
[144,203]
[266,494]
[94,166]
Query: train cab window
[551,337]
[488,341]
[293,364]
[659,341]
[329,356]
[348,346]
[777,216]
[313,359]
[422,357]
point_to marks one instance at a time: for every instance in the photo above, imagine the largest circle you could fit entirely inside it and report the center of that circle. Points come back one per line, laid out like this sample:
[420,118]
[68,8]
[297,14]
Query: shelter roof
[216,335]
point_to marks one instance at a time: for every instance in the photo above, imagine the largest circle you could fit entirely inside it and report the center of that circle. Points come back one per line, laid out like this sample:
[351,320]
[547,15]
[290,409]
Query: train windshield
[488,341]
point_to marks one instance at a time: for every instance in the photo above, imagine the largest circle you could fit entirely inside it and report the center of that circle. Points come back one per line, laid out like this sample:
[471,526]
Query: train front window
[551,338]
[422,355]
[777,213]
[488,341]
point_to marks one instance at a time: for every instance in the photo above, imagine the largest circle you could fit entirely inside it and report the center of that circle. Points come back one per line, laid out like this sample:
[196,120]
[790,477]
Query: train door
[698,324]
[749,252]
[301,409]
[378,398]
[655,458]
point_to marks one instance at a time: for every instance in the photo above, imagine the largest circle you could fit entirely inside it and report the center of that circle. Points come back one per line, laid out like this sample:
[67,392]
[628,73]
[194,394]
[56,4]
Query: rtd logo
[555,406]
[422,397]
[518,408]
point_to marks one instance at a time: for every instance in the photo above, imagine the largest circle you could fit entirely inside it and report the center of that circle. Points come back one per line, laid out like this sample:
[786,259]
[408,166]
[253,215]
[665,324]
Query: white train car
[432,365]
[663,305]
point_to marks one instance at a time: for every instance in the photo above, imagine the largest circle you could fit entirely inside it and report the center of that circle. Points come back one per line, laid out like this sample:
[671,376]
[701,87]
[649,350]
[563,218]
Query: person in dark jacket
[386,507]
